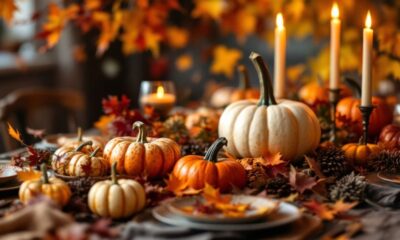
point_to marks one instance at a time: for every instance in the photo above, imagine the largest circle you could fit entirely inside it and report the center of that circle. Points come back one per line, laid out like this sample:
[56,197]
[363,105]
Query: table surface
[376,222]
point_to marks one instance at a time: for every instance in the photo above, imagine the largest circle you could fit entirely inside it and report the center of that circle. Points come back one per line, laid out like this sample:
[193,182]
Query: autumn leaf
[179,187]
[314,166]
[322,210]
[213,195]
[342,207]
[225,60]
[300,181]
[28,174]
[184,62]
[91,5]
[213,9]
[15,134]
[177,37]
[7,10]
[272,159]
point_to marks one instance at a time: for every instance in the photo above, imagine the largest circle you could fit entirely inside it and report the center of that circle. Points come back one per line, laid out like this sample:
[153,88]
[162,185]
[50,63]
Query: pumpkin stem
[80,134]
[244,80]
[95,152]
[264,77]
[212,152]
[354,86]
[82,145]
[45,179]
[114,179]
[141,137]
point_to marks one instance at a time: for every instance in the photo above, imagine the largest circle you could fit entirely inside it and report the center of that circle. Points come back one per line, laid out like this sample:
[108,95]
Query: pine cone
[332,162]
[350,188]
[175,129]
[387,161]
[256,177]
[279,186]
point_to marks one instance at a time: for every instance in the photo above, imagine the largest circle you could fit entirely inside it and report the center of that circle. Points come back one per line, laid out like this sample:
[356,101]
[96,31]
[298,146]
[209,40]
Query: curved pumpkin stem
[142,134]
[354,86]
[95,152]
[264,77]
[244,80]
[114,179]
[45,178]
[82,145]
[212,152]
[80,134]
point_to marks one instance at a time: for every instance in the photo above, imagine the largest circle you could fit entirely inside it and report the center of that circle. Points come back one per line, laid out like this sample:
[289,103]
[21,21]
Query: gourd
[97,141]
[349,115]
[220,173]
[390,136]
[83,164]
[267,126]
[54,188]
[116,198]
[153,158]
[358,154]
[62,156]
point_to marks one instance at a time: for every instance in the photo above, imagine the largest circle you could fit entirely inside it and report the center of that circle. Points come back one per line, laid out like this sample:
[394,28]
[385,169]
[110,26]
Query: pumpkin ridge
[249,130]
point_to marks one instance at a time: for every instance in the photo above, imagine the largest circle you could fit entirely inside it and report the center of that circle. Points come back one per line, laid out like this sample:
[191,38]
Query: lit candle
[160,101]
[280,57]
[335,48]
[366,96]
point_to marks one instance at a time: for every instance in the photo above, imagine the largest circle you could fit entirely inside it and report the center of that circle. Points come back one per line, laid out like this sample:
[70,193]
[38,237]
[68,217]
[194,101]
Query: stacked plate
[8,178]
[255,218]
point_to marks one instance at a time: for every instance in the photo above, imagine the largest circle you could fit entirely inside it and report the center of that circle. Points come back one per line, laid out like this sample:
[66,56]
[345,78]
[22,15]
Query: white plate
[285,214]
[254,213]
[389,177]
[7,173]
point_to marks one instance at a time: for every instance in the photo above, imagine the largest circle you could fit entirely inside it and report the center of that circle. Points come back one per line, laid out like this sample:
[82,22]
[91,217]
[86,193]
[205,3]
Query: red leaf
[300,181]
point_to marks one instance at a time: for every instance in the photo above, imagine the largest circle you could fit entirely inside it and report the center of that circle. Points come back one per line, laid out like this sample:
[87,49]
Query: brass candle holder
[366,114]
[334,96]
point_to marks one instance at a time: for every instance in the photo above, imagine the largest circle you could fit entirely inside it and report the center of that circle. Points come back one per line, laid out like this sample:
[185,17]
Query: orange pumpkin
[223,173]
[245,91]
[315,92]
[348,112]
[358,154]
[153,158]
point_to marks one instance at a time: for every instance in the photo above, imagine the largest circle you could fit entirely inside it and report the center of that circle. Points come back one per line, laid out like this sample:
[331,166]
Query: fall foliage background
[195,43]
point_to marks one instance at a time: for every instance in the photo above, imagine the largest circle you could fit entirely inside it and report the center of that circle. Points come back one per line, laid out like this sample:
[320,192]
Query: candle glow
[335,11]
[160,91]
[368,20]
[279,21]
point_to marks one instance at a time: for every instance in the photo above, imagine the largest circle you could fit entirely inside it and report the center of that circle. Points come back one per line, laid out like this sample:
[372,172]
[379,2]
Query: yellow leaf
[184,62]
[175,185]
[225,60]
[7,10]
[15,134]
[177,37]
[209,8]
[28,174]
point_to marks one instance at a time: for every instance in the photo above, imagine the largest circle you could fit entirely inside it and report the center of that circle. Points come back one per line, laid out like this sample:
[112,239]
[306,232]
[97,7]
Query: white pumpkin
[116,198]
[256,128]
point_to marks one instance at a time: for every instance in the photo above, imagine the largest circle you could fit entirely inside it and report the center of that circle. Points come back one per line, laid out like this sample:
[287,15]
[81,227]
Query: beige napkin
[32,222]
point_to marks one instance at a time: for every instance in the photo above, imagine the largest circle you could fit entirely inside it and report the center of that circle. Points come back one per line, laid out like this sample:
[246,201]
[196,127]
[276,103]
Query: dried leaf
[300,181]
[211,9]
[342,207]
[322,210]
[213,195]
[15,134]
[225,60]
[179,187]
[28,174]
[314,166]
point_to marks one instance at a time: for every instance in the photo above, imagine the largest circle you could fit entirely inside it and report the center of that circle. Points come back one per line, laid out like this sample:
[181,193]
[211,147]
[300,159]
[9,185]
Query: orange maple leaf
[179,187]
[57,18]
[15,134]
[225,60]
[177,37]
[322,210]
[28,174]
[272,159]
[7,10]
[213,195]
[213,9]
[109,25]
[342,207]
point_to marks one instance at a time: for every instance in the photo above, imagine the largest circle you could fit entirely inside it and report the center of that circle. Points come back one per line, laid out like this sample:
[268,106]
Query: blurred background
[98,48]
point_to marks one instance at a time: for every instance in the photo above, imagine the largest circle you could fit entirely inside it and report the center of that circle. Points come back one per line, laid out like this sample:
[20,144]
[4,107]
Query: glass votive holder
[159,95]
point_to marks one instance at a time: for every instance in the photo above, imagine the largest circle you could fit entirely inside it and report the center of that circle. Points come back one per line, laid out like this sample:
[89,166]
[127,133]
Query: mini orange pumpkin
[244,91]
[347,111]
[358,154]
[141,156]
[390,136]
[219,173]
[315,92]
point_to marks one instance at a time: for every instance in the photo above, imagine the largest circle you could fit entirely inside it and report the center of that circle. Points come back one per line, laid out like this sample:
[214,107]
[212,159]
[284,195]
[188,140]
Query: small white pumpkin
[256,128]
[116,198]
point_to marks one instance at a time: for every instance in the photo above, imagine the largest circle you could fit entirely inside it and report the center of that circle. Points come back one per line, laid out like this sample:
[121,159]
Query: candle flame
[160,92]
[368,20]
[279,20]
[335,11]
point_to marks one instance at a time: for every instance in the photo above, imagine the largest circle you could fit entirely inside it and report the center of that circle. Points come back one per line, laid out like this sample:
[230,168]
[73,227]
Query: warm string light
[368,20]
[279,20]
[160,92]
[335,11]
